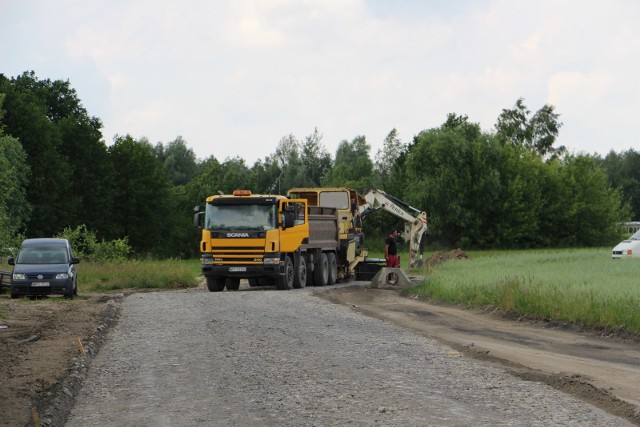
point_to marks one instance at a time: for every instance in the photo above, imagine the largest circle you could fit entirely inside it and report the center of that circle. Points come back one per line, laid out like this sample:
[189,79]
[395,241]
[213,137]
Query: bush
[87,247]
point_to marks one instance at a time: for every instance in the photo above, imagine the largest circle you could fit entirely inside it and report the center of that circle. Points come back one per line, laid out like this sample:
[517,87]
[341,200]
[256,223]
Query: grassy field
[97,277]
[581,286]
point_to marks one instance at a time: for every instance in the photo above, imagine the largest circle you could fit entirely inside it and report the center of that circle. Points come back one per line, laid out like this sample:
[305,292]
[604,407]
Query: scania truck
[267,239]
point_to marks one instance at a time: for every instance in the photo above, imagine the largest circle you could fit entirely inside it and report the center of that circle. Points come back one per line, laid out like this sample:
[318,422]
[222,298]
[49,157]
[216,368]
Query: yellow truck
[286,241]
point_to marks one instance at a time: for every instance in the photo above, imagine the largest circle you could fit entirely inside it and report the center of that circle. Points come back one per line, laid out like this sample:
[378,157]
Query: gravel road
[273,358]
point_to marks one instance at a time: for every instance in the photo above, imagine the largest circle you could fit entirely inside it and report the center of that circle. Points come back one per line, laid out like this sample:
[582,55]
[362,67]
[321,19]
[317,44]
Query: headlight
[62,276]
[18,276]
[271,261]
[206,261]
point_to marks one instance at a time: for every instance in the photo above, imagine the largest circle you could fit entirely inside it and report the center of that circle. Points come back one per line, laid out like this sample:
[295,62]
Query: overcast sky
[233,77]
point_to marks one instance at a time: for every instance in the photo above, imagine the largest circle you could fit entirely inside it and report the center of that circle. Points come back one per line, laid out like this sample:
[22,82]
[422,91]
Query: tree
[387,158]
[315,158]
[69,172]
[178,160]
[352,167]
[592,209]
[14,179]
[142,204]
[537,133]
[623,171]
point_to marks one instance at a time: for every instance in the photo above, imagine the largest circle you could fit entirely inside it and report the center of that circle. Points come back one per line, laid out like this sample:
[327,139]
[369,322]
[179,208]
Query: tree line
[512,187]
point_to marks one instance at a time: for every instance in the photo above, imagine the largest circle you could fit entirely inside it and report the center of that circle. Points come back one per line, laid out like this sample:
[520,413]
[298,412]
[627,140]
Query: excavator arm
[415,226]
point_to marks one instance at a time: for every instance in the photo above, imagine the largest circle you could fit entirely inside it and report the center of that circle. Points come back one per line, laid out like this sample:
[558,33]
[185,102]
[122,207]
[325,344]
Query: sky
[234,77]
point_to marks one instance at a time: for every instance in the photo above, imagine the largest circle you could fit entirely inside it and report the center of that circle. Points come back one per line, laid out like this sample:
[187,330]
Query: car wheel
[70,291]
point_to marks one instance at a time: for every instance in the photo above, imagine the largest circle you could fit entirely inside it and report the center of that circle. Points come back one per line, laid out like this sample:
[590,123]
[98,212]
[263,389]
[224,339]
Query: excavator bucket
[390,277]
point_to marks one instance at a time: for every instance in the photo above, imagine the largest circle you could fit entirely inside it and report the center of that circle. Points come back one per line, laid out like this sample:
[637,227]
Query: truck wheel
[215,284]
[321,271]
[307,259]
[285,282]
[300,278]
[233,283]
[333,269]
[253,282]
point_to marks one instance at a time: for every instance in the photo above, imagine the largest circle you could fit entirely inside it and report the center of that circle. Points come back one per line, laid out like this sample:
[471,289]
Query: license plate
[237,269]
[40,284]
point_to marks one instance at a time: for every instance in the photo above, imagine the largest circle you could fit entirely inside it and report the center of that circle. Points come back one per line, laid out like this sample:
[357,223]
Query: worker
[391,250]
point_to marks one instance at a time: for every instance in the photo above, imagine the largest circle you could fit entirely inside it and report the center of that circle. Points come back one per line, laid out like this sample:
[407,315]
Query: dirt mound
[440,257]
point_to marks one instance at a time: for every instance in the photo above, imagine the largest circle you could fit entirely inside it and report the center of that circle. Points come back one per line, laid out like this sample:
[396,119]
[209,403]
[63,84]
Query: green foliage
[623,171]
[582,286]
[112,276]
[479,192]
[315,159]
[178,160]
[537,133]
[68,170]
[143,211]
[352,167]
[87,247]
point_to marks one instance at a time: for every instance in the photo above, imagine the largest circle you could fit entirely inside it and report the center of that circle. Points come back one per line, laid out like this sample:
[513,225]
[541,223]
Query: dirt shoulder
[601,369]
[44,346]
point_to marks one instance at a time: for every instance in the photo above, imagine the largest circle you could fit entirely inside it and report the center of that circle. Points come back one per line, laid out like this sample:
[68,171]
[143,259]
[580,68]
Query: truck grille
[234,255]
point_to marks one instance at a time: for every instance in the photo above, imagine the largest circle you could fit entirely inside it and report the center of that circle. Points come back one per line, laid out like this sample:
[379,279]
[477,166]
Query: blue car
[44,267]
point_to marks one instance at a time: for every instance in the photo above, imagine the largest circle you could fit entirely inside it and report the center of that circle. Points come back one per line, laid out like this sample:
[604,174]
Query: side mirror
[75,260]
[196,218]
[11,261]
[287,220]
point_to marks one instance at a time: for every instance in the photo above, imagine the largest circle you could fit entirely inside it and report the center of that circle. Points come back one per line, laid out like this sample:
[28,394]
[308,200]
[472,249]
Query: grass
[167,274]
[580,286]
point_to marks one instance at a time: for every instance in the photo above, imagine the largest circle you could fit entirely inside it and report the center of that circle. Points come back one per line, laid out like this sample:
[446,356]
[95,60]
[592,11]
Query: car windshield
[44,255]
[636,236]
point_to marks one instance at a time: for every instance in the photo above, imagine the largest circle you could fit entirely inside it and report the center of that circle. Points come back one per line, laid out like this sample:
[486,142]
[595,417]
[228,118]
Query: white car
[628,248]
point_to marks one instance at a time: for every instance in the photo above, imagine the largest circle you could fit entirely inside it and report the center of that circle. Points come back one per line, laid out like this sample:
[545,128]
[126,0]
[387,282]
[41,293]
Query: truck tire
[321,271]
[215,284]
[300,278]
[285,282]
[309,260]
[253,282]
[333,269]
[233,283]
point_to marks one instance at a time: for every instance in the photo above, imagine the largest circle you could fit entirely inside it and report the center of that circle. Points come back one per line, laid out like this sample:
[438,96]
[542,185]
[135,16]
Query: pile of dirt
[440,257]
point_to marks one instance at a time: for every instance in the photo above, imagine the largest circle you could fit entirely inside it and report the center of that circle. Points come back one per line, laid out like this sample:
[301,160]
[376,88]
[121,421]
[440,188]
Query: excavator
[353,207]
[415,226]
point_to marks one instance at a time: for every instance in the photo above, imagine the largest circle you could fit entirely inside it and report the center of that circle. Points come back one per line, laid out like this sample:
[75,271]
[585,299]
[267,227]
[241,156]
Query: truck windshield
[240,217]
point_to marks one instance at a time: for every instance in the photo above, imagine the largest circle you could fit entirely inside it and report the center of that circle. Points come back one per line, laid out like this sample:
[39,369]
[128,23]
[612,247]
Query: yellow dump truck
[267,239]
